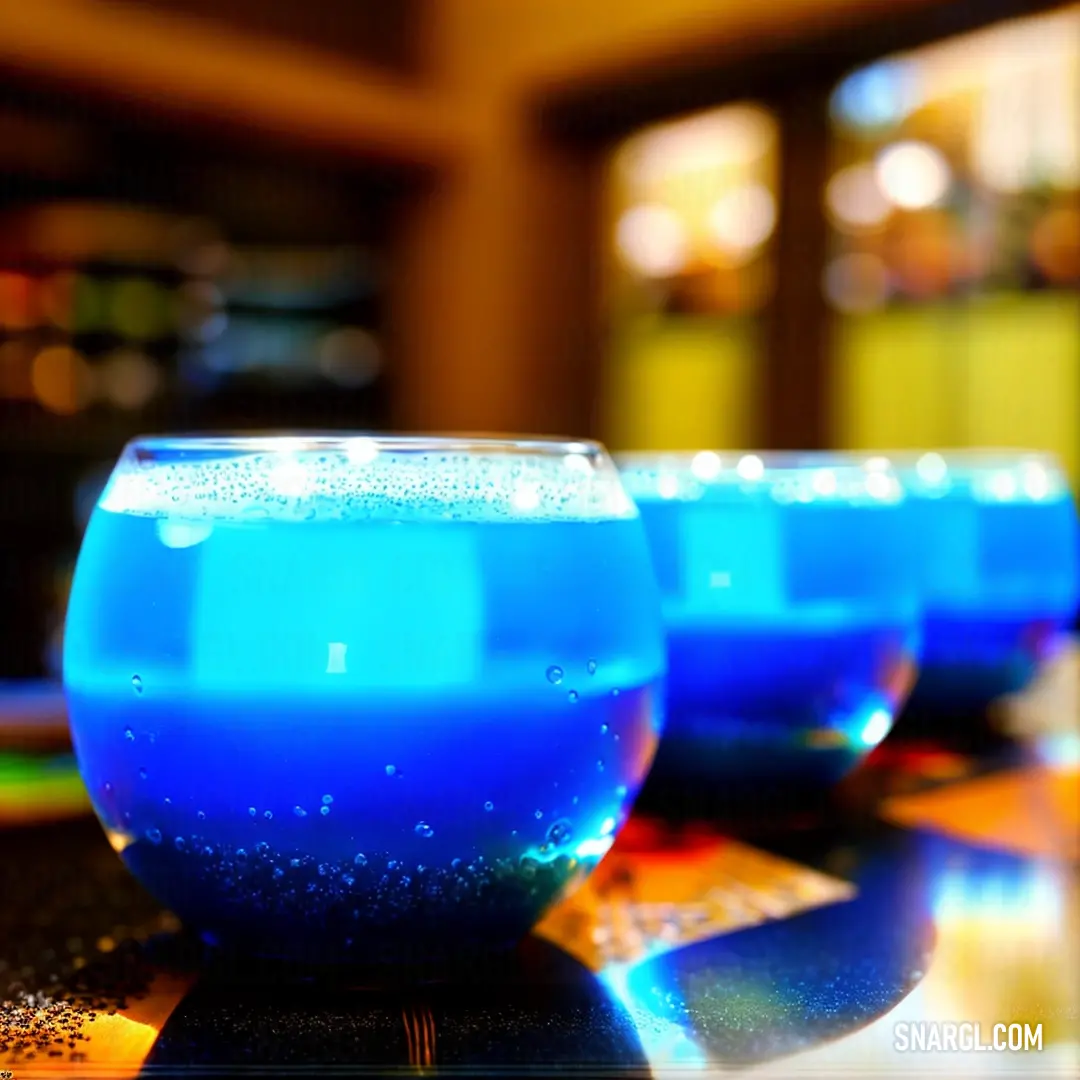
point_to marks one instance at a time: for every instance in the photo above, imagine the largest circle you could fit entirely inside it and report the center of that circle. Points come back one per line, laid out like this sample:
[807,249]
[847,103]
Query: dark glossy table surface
[940,887]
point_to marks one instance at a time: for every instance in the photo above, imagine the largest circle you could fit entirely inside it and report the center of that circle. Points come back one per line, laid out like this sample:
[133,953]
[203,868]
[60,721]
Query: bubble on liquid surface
[294,863]
[385,482]
[600,765]
[489,805]
[572,696]
[129,734]
[391,770]
[590,667]
[143,773]
[554,675]
[538,815]
[299,811]
[154,836]
[560,832]
[324,869]
[424,829]
[278,873]
[241,855]
[327,800]
[324,810]
[136,684]
[201,815]
[262,847]
[604,729]
[179,843]
[269,815]
[361,859]
[252,811]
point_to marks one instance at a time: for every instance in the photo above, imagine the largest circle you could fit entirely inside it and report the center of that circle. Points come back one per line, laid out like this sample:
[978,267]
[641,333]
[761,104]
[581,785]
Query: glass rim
[283,441]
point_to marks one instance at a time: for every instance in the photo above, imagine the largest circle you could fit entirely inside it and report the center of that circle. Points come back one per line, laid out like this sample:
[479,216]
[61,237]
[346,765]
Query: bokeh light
[652,241]
[128,379]
[138,309]
[879,96]
[61,379]
[350,357]
[855,200]
[743,219]
[856,283]
[199,313]
[913,175]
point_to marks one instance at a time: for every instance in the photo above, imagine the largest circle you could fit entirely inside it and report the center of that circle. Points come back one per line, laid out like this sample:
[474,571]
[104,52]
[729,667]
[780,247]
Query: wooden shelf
[199,71]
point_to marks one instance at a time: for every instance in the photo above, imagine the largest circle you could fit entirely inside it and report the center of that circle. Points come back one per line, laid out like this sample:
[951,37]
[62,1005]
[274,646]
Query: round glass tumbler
[998,545]
[791,613]
[351,699]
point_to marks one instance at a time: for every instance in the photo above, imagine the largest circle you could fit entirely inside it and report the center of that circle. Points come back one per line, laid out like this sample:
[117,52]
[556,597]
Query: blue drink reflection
[361,700]
[790,608]
[998,548]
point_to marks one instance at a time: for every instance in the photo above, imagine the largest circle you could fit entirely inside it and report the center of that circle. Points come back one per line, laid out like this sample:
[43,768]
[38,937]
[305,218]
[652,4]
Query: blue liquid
[359,739]
[1000,578]
[792,633]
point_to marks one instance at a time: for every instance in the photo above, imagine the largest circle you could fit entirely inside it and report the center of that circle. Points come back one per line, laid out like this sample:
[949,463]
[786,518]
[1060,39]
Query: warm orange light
[61,379]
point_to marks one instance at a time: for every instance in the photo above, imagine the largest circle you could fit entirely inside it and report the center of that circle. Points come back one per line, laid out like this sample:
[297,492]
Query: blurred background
[808,223]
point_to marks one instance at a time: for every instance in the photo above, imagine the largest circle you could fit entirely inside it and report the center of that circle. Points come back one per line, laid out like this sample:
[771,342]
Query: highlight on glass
[363,699]
[790,608]
[998,544]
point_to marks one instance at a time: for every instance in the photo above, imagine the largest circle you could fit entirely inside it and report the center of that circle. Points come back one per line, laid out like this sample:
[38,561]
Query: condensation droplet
[391,770]
[604,729]
[252,811]
[269,815]
[361,859]
[327,800]
[324,810]
[129,734]
[180,843]
[574,800]
[538,815]
[262,847]
[299,811]
[201,815]
[278,873]
[424,829]
[241,855]
[489,805]
[600,765]
[572,696]
[590,667]
[554,675]
[154,836]
[143,773]
[136,684]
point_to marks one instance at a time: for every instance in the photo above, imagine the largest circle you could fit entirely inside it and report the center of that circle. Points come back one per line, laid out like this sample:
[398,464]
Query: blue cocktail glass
[996,533]
[791,613]
[363,699]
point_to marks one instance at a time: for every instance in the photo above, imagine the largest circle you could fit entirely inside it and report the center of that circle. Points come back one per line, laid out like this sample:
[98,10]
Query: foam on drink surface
[333,485]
